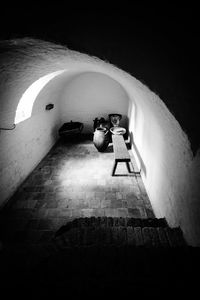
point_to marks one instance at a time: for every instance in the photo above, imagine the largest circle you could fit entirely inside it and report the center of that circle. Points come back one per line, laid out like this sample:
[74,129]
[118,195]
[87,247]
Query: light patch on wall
[25,105]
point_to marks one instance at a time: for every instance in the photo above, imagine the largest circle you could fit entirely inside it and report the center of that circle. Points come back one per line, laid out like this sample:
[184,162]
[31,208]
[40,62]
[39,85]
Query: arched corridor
[68,227]
[63,77]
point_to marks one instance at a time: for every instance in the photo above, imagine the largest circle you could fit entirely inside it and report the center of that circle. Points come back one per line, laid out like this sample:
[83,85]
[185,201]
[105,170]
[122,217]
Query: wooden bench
[121,153]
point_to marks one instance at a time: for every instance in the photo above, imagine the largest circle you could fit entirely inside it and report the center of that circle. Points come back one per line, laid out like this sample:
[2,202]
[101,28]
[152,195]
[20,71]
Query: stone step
[108,232]
[112,221]
[148,233]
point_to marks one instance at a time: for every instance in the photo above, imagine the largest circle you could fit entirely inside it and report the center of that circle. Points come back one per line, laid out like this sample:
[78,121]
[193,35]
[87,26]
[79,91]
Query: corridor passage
[73,180]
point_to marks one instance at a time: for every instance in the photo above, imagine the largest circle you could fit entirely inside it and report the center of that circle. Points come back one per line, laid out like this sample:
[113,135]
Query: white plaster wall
[165,154]
[169,170]
[24,147]
[92,95]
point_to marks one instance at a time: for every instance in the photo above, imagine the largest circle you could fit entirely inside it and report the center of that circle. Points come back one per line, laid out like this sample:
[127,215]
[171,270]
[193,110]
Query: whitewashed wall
[92,95]
[164,153]
[24,147]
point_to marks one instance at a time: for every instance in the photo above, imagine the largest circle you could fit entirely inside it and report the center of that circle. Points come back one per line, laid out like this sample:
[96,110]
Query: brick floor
[73,180]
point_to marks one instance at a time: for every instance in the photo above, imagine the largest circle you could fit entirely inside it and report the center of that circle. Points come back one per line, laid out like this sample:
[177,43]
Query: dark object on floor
[101,138]
[70,128]
[121,153]
[101,123]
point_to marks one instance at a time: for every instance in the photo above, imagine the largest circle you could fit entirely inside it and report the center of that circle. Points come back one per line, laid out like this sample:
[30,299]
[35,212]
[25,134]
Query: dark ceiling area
[156,44]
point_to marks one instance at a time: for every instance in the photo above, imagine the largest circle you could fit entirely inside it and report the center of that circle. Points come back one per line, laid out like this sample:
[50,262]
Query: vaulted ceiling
[156,44]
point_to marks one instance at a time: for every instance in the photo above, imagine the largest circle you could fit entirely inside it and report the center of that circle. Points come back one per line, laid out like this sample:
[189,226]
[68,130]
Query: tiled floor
[73,180]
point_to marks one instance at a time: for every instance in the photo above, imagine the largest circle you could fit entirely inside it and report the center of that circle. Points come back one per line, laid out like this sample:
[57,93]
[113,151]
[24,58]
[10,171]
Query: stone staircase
[105,256]
[104,231]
